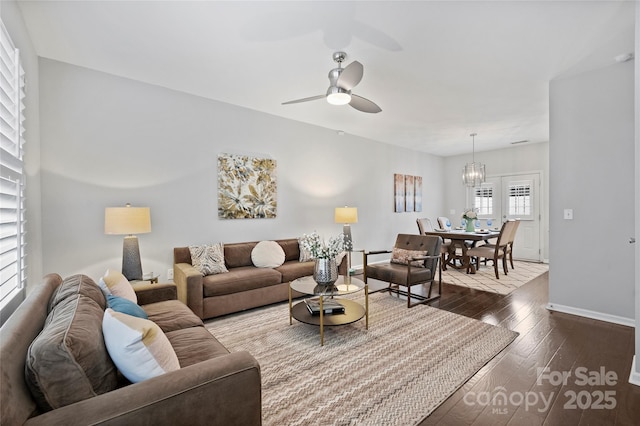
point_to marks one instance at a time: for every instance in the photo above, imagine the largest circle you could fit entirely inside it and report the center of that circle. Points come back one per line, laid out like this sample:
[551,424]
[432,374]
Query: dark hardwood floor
[580,347]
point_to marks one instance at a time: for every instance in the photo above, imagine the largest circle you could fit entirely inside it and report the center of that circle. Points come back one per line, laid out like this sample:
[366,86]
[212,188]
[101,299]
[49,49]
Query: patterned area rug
[485,278]
[395,373]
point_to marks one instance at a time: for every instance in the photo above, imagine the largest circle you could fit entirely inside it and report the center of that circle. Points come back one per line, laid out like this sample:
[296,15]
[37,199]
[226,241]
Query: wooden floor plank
[549,344]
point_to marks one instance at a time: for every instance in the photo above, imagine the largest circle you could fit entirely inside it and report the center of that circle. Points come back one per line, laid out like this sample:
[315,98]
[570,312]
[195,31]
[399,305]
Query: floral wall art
[407,193]
[246,187]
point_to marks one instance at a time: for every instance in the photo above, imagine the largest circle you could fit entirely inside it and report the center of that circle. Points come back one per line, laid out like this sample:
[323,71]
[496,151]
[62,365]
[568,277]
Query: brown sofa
[212,385]
[244,286]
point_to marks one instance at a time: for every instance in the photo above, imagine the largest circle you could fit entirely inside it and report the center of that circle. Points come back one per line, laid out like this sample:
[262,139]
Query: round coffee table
[353,311]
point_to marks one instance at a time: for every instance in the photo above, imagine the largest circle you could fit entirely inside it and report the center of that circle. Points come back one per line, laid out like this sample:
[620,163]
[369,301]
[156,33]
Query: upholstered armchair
[414,261]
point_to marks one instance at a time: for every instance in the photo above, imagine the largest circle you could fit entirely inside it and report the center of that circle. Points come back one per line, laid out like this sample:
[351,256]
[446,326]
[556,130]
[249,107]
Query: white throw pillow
[137,346]
[267,254]
[113,282]
[208,259]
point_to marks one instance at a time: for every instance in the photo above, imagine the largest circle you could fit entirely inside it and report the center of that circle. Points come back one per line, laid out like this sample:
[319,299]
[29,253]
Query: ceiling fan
[342,81]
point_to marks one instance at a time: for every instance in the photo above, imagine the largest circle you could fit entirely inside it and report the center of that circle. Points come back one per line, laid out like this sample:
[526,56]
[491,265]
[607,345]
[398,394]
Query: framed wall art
[246,187]
[408,192]
[417,193]
[398,192]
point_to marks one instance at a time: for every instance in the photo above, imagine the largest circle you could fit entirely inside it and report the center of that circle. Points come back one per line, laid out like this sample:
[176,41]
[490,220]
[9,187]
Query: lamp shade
[127,220]
[346,215]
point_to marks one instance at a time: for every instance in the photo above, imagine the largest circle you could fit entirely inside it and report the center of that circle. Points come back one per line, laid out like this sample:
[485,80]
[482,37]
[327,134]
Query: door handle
[632,240]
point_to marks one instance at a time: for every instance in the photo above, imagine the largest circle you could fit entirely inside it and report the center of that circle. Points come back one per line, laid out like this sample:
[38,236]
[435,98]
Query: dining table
[461,241]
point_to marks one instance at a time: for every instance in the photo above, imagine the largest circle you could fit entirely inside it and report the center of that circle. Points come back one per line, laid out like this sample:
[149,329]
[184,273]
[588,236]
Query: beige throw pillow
[113,282]
[208,259]
[267,254]
[137,346]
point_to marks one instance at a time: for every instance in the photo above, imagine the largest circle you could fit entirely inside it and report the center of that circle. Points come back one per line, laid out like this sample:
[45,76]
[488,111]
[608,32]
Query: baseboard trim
[634,377]
[629,322]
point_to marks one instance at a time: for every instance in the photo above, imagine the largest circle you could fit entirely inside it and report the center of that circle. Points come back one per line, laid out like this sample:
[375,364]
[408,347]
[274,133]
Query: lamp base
[131,264]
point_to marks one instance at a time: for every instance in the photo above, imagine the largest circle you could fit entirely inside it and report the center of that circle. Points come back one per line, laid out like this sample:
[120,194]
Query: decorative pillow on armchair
[402,257]
[208,259]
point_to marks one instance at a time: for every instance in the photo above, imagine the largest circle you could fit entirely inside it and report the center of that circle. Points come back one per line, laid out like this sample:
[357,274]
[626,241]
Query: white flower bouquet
[470,215]
[319,249]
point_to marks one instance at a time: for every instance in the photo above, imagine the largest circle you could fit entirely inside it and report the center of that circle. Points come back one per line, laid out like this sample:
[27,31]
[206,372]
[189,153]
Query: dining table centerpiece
[325,271]
[470,216]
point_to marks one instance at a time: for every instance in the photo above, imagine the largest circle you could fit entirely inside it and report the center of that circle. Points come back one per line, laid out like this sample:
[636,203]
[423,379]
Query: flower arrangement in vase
[470,216]
[325,271]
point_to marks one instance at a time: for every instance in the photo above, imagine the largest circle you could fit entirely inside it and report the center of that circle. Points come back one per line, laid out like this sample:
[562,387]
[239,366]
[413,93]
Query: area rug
[485,278]
[395,373]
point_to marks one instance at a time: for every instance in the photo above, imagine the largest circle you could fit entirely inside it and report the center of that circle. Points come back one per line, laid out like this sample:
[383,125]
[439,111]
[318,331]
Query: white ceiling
[438,69]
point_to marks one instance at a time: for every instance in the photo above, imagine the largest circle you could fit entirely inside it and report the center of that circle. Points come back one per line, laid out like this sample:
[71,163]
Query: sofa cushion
[294,269]
[137,346]
[238,254]
[291,248]
[114,282]
[120,304]
[208,259]
[240,279]
[172,315]
[267,254]
[194,345]
[66,363]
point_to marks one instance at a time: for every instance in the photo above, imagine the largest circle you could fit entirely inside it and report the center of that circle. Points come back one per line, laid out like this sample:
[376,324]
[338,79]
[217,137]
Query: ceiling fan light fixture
[338,96]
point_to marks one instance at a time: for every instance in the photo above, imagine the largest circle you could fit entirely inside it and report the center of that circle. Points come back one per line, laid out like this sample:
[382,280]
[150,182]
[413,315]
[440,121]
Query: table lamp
[128,221]
[346,216]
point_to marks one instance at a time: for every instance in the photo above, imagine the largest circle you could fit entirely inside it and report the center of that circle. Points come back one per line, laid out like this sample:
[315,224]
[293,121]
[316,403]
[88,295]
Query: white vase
[325,271]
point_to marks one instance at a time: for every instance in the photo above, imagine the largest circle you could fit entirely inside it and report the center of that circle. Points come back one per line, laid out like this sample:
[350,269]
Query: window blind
[12,211]
[520,198]
[484,199]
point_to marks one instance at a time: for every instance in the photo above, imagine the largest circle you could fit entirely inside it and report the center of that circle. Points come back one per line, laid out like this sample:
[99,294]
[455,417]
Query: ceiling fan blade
[350,76]
[297,101]
[363,104]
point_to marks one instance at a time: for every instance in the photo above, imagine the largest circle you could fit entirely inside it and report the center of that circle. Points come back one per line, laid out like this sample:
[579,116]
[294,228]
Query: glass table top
[307,285]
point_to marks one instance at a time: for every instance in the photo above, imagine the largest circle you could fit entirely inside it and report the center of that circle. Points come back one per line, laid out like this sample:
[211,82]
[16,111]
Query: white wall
[592,172]
[513,160]
[107,141]
[635,373]
[12,19]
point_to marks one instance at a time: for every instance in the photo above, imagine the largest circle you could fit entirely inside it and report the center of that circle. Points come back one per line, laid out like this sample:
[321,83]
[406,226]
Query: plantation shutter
[12,214]
[484,199]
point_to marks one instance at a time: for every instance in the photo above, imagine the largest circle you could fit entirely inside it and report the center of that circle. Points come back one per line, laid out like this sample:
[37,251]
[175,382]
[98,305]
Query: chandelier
[473,173]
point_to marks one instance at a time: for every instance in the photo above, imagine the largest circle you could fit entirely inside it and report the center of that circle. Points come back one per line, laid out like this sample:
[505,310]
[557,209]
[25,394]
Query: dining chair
[414,261]
[493,252]
[510,239]
[424,225]
[442,222]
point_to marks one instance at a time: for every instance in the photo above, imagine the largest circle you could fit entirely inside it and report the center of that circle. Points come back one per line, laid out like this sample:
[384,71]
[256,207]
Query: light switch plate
[568,214]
